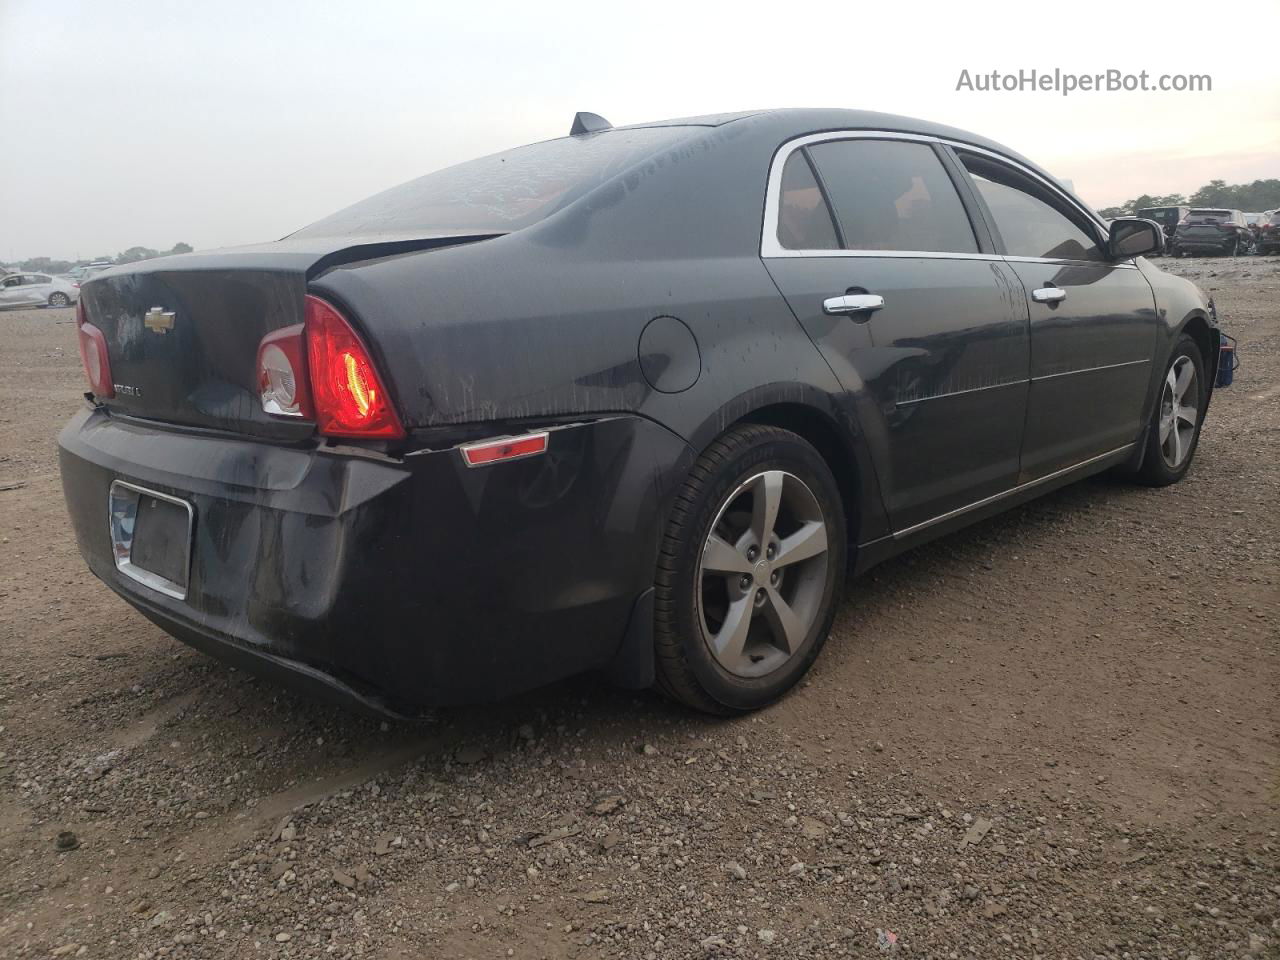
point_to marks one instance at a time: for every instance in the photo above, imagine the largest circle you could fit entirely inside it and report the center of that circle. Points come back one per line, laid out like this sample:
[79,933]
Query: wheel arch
[824,435]
[831,427]
[1196,325]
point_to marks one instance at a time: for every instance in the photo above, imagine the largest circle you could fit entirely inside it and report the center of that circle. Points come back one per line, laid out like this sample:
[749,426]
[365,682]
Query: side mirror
[1131,237]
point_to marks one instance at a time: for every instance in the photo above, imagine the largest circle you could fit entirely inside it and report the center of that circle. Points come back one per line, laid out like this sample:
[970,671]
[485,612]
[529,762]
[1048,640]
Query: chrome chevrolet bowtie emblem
[158,320]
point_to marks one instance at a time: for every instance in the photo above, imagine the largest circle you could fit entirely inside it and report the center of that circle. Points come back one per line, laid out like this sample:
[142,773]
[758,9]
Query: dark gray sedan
[634,400]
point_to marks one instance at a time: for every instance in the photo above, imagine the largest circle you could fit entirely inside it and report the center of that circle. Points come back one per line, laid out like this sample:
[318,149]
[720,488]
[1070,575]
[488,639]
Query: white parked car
[37,289]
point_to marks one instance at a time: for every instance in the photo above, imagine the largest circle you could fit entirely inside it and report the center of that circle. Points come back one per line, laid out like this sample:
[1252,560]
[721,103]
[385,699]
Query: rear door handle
[852,303]
[1049,295]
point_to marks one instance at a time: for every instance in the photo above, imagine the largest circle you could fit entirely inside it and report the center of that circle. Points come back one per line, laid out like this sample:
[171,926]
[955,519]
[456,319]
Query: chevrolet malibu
[635,401]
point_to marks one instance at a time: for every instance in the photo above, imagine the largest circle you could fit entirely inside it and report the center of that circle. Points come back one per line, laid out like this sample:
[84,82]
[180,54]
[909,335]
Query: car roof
[790,122]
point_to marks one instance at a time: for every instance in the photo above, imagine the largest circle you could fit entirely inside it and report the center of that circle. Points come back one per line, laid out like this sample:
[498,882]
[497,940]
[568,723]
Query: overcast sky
[225,122]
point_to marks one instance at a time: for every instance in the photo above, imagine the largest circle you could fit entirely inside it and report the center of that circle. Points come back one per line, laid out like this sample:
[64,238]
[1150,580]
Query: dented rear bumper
[397,582]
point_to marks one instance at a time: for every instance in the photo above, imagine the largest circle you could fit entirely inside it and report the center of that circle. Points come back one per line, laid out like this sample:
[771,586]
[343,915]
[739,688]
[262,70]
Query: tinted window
[501,193]
[12,281]
[804,220]
[1032,221]
[1222,216]
[893,195]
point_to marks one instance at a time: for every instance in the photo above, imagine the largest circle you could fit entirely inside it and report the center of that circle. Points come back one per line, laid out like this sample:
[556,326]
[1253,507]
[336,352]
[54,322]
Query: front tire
[749,572]
[1175,423]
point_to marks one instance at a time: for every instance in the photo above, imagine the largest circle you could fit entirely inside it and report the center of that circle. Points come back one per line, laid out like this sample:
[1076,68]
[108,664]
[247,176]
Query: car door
[41,287]
[922,322]
[12,291]
[1093,320]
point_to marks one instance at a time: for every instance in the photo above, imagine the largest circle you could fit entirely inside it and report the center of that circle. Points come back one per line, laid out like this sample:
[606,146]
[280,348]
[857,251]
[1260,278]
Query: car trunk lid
[182,332]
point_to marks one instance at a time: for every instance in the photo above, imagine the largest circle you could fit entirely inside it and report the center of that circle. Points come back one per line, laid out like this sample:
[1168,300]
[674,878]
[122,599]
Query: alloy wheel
[1179,411]
[762,574]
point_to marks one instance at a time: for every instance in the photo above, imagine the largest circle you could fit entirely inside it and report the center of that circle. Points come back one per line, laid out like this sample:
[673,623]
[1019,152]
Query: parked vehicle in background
[1212,230]
[77,274]
[37,290]
[1167,217]
[94,269]
[630,400]
[1269,235]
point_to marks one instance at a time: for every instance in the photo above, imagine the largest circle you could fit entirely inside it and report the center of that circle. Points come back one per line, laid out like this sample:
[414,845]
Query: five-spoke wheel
[749,572]
[1175,423]
[1179,411]
[762,573]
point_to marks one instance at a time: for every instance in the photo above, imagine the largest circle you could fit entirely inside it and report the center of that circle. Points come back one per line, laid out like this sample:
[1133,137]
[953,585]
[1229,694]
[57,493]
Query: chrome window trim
[770,248]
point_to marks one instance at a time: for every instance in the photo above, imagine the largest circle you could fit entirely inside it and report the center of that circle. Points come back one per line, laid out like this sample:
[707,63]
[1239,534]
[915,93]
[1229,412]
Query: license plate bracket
[151,537]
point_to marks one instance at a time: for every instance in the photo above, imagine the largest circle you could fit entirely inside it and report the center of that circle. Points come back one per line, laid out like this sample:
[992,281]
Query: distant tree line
[1250,197]
[132,255]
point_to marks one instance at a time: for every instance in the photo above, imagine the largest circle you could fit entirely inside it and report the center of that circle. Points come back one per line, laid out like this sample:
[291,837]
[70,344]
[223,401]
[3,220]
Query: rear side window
[893,195]
[500,193]
[1031,220]
[804,220]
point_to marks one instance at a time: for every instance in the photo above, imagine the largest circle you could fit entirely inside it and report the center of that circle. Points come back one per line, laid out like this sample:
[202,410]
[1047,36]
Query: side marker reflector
[505,448]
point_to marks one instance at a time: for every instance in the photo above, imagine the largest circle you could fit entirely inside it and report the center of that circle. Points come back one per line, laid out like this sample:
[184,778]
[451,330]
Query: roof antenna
[588,123]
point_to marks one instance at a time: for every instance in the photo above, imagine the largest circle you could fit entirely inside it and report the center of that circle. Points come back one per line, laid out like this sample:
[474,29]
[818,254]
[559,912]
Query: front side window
[1030,219]
[804,220]
[893,195]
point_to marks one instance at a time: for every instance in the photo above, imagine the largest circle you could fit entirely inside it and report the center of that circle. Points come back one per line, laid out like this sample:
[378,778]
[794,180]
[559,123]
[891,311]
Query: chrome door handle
[1049,295]
[852,303]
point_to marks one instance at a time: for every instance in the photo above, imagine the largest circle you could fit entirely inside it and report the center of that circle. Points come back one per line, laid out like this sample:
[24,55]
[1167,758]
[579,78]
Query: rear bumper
[400,583]
[1202,243]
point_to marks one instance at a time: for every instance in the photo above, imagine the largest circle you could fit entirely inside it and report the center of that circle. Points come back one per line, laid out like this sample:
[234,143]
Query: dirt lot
[1056,734]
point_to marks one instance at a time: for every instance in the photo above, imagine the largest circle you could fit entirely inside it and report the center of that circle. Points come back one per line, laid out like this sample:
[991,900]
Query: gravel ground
[1055,734]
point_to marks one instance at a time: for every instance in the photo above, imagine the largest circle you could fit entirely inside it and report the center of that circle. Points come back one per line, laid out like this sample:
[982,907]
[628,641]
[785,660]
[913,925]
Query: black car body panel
[400,578]
[635,323]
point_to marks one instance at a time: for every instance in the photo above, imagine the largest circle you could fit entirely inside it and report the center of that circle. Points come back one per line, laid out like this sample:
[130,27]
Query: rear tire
[59,299]
[749,571]
[1172,437]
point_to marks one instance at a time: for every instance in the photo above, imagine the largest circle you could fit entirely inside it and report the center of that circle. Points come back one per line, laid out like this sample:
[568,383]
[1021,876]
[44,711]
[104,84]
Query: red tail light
[320,370]
[93,355]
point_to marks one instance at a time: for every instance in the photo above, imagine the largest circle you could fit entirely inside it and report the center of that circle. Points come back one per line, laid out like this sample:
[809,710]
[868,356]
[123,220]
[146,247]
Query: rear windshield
[1159,213]
[500,193]
[1210,215]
